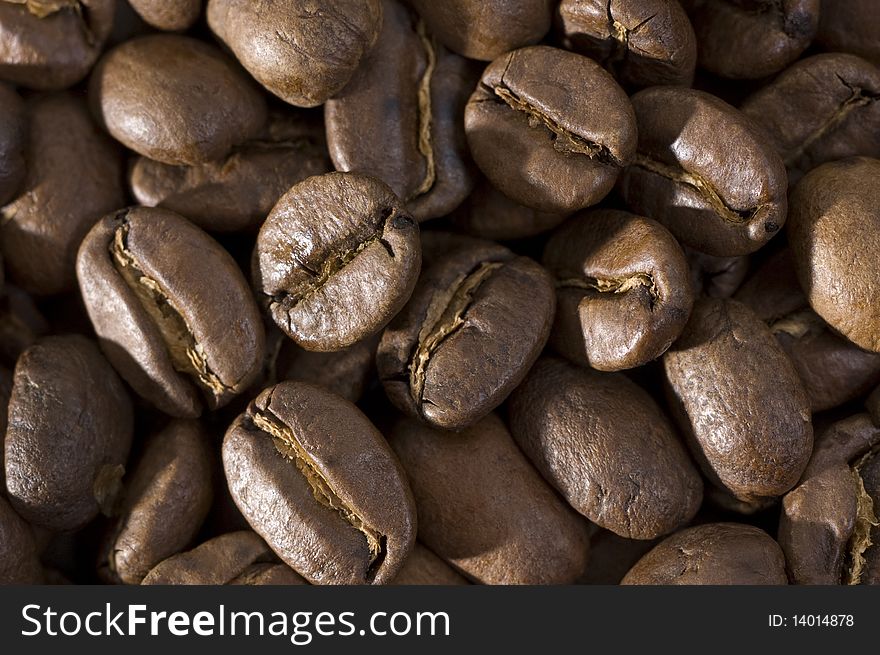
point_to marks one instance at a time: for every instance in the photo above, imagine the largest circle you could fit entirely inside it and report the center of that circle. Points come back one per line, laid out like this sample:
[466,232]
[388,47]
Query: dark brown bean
[423,567]
[19,559]
[13,140]
[170,15]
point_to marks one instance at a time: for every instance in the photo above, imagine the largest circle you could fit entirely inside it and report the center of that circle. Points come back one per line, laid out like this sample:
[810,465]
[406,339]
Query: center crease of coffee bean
[615,285]
[619,34]
[697,182]
[865,520]
[187,355]
[289,447]
[426,145]
[445,317]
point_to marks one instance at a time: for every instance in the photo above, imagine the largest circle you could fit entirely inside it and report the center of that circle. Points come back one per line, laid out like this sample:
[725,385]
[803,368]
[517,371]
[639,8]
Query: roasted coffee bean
[337,258]
[489,214]
[751,38]
[237,192]
[820,109]
[170,15]
[344,372]
[850,26]
[52,44]
[716,277]
[5,392]
[13,140]
[703,170]
[232,558]
[833,370]
[423,567]
[19,559]
[550,129]
[642,42]
[318,482]
[739,401]
[400,118]
[69,432]
[483,508]
[165,501]
[74,176]
[828,523]
[604,444]
[480,303]
[712,554]
[622,289]
[182,330]
[873,405]
[834,231]
[21,323]
[486,29]
[303,51]
[175,99]
[611,556]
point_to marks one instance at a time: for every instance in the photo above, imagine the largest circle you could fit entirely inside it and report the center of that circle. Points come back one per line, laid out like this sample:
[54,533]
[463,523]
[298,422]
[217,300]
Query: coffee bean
[21,323]
[622,288]
[828,524]
[52,45]
[480,303]
[69,432]
[751,38]
[603,443]
[13,139]
[820,109]
[486,29]
[873,405]
[336,260]
[182,330]
[423,567]
[833,370]
[850,27]
[165,501]
[232,558]
[712,554]
[19,559]
[400,118]
[834,231]
[716,277]
[739,401]
[318,482]
[191,103]
[703,171]
[5,392]
[483,508]
[74,176]
[171,15]
[642,42]
[303,51]
[550,129]
[237,192]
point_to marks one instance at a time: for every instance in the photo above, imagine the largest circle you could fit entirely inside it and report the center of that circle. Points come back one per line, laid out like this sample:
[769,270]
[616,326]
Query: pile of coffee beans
[440,292]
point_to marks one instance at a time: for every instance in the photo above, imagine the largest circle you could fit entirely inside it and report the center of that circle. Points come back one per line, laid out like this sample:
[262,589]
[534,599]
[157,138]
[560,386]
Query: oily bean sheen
[182,330]
[234,558]
[703,170]
[716,277]
[336,259]
[170,15]
[165,501]
[489,214]
[423,567]
[834,236]
[488,28]
[479,303]
[13,140]
[834,370]
[820,109]
[19,559]
[69,432]
[317,481]
[642,42]
[739,401]
[52,44]
[483,508]
[828,523]
[751,38]
[712,554]
[623,291]
[175,99]
[303,51]
[851,26]
[604,444]
[400,118]
[550,129]
[237,192]
[74,176]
